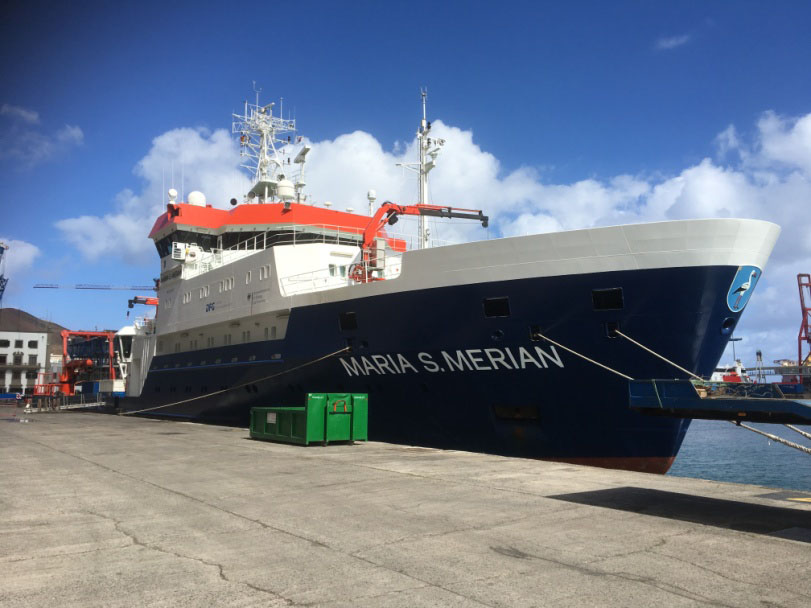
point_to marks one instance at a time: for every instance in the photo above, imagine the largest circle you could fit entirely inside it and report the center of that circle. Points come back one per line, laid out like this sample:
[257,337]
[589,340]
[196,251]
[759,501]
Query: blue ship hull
[440,373]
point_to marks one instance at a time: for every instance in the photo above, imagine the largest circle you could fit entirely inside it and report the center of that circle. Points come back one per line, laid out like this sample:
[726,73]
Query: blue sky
[597,102]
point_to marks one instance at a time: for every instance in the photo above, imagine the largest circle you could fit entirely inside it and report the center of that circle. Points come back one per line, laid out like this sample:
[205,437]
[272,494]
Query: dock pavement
[102,510]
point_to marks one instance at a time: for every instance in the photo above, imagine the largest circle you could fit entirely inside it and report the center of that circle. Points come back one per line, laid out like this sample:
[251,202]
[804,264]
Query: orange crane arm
[388,212]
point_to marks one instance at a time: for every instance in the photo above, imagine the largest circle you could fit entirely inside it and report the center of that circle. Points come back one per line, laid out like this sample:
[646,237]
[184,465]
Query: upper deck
[221,229]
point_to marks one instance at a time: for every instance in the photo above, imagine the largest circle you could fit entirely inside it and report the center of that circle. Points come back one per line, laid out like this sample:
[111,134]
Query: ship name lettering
[428,363]
[471,360]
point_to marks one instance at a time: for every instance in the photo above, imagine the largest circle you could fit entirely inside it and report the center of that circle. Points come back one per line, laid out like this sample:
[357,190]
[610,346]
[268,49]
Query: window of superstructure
[18,359]
[221,286]
[4,343]
[332,270]
[2,359]
[31,375]
[32,344]
[264,272]
[248,277]
[177,347]
[227,339]
[32,359]
[18,343]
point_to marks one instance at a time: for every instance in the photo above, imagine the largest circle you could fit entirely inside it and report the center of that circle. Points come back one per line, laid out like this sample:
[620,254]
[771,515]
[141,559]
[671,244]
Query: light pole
[733,340]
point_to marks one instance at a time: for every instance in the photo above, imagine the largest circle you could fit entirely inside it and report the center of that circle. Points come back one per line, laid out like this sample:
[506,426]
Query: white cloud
[785,141]
[767,177]
[671,42]
[201,160]
[23,140]
[19,113]
[19,257]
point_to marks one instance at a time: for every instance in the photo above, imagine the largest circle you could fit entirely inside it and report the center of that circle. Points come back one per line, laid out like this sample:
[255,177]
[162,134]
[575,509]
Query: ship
[502,345]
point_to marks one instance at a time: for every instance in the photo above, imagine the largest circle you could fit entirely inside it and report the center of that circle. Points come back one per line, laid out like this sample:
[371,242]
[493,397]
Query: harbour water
[721,451]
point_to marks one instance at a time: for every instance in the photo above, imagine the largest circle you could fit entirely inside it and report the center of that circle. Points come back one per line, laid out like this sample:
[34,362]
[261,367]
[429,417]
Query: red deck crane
[388,213]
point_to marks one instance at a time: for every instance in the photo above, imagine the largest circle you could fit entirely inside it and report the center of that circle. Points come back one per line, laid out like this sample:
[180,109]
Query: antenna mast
[263,146]
[429,150]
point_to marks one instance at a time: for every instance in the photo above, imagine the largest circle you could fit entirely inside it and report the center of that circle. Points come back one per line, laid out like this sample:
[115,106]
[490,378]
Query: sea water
[722,451]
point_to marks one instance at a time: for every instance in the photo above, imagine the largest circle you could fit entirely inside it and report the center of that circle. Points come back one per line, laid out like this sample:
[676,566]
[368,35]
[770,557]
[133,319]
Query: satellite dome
[197,198]
[286,190]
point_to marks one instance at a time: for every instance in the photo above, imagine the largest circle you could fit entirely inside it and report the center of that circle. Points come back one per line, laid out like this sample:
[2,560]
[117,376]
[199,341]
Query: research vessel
[502,345]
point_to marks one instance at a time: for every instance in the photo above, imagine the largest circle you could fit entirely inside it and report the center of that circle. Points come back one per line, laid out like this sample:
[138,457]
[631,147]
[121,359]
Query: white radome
[197,198]
[285,190]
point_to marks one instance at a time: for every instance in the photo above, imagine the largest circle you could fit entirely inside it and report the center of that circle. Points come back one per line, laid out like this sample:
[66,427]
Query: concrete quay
[99,510]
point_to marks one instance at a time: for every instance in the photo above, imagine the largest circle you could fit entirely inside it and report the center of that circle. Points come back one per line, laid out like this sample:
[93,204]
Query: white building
[22,355]
[26,346]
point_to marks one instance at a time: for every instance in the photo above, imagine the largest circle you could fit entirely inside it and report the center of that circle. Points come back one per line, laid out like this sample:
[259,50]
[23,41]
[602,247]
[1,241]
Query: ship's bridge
[217,236]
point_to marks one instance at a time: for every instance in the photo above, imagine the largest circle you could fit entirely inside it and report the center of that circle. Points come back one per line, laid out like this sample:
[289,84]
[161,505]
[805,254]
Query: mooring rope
[800,431]
[791,444]
[584,357]
[655,354]
[231,388]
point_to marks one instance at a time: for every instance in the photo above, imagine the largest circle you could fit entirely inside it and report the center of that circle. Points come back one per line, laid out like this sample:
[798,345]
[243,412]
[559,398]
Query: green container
[325,417]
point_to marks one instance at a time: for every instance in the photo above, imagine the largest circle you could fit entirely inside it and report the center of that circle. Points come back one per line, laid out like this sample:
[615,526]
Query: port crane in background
[146,300]
[94,286]
[3,279]
[804,337]
[81,364]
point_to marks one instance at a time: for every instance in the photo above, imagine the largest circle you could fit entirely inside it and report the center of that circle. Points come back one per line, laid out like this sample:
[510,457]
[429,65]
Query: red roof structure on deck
[259,217]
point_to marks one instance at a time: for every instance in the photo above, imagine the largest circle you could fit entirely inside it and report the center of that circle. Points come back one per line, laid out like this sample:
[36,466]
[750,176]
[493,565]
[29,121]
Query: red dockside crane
[71,368]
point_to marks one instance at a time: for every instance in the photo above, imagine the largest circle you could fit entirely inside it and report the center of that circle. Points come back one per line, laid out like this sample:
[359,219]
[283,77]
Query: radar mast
[429,150]
[266,153]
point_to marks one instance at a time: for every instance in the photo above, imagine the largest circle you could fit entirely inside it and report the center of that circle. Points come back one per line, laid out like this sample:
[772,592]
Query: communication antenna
[429,151]
[256,91]
[263,137]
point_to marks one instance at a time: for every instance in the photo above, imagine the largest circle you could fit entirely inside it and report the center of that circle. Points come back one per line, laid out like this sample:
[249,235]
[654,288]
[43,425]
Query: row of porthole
[216,361]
